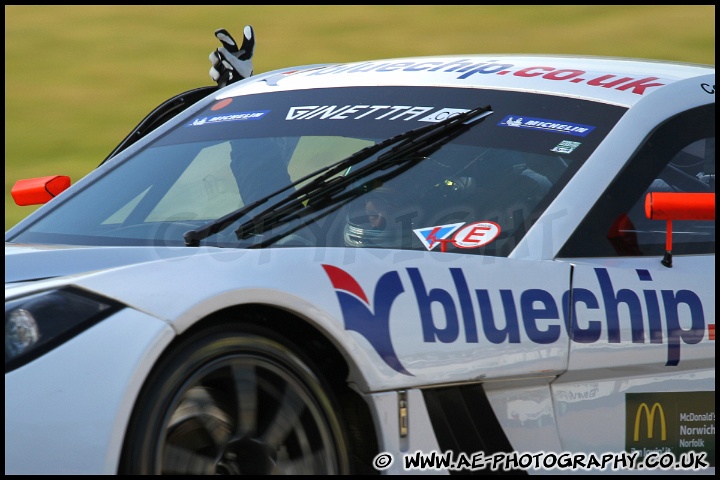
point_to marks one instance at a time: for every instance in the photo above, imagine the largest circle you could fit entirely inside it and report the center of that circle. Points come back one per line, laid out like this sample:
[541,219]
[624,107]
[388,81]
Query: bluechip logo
[457,312]
[373,324]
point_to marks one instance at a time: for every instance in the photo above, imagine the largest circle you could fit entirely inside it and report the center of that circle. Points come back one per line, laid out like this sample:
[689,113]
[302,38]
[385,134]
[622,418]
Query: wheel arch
[289,326]
[323,355]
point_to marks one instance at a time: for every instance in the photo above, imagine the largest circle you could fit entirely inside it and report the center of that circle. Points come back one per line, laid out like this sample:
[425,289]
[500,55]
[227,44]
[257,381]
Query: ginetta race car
[332,268]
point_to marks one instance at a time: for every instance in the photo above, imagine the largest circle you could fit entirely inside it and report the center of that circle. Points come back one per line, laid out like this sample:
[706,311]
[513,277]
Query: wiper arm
[414,145]
[419,141]
[193,237]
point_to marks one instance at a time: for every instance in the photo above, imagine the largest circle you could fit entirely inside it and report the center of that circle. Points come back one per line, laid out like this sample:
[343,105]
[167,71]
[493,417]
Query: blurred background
[79,78]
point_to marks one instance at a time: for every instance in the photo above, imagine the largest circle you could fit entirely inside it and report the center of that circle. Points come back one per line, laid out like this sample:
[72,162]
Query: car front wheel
[225,401]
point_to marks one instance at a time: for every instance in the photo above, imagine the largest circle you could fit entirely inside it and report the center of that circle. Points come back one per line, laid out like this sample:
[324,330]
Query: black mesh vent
[464,421]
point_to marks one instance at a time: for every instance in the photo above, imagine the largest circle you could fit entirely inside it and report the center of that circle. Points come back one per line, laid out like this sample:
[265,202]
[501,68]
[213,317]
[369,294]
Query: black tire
[225,401]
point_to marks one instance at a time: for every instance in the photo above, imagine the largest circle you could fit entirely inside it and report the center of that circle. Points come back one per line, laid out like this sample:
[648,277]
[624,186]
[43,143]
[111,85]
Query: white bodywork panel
[82,397]
[481,321]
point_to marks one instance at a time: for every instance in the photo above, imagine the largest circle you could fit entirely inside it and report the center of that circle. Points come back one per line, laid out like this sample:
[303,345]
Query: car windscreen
[478,192]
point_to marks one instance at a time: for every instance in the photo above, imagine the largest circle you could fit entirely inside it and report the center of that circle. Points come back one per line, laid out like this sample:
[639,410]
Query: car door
[641,372]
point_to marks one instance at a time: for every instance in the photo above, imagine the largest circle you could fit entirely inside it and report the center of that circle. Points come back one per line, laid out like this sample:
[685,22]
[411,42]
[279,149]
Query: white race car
[411,265]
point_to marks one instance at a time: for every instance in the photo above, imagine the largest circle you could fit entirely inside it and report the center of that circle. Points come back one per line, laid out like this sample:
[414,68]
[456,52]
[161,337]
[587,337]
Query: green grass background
[78,78]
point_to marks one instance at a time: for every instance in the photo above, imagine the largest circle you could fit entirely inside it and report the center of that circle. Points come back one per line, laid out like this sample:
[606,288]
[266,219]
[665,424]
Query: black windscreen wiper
[401,157]
[418,142]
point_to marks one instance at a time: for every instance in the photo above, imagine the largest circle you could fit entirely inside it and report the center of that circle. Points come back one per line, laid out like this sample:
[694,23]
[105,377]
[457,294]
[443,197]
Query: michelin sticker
[229,117]
[546,125]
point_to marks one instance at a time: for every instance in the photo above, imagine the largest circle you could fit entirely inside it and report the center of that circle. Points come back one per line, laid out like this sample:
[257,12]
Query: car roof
[622,81]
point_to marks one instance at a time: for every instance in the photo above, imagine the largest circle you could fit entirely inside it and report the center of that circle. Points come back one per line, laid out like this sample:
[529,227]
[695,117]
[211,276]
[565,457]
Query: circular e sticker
[476,234]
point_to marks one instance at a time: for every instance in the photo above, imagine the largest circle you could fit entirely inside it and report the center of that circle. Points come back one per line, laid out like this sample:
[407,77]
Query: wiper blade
[415,145]
[193,237]
[420,141]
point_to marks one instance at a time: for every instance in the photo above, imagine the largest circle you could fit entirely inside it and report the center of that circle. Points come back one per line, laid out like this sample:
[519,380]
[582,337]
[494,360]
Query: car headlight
[37,323]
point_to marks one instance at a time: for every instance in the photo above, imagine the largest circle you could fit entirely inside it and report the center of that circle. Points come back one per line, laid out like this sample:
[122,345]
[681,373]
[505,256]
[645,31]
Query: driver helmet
[385,217]
[373,221]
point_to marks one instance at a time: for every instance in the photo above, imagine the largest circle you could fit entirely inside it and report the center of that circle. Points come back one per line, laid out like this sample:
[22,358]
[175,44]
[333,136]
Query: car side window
[691,170]
[678,157]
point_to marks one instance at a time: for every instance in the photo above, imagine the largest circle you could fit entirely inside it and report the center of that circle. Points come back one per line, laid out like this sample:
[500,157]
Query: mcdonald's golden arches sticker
[670,422]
